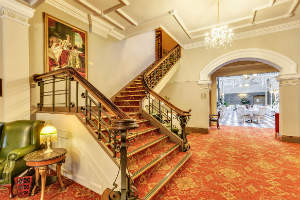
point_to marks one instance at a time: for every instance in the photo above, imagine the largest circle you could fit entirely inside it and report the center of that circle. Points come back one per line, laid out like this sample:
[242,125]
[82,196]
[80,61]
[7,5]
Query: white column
[289,106]
[203,104]
[14,60]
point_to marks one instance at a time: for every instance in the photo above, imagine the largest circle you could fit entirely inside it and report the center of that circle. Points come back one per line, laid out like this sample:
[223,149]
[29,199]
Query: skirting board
[290,139]
[196,130]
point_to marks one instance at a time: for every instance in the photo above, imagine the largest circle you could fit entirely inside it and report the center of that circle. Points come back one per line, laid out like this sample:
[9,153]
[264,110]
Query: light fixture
[246,85]
[219,36]
[48,134]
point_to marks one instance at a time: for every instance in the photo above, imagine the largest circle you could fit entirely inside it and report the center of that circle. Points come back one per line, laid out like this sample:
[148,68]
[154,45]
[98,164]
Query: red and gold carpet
[237,163]
[73,191]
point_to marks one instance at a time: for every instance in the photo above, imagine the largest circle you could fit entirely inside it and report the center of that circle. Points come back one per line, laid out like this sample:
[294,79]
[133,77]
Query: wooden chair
[215,118]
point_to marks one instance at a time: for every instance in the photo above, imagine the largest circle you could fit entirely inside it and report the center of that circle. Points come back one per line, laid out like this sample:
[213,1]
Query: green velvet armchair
[17,139]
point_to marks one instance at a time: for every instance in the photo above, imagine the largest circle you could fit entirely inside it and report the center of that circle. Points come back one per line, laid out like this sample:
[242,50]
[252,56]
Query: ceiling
[188,20]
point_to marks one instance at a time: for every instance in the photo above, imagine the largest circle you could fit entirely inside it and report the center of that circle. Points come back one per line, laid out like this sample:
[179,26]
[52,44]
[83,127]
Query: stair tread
[144,163]
[162,175]
[140,145]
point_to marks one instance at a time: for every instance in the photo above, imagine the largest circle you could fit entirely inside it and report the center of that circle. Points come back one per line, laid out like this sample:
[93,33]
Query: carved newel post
[121,126]
[183,121]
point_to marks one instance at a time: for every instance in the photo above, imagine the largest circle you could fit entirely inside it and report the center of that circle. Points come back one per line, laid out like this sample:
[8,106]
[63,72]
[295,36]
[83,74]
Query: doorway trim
[286,66]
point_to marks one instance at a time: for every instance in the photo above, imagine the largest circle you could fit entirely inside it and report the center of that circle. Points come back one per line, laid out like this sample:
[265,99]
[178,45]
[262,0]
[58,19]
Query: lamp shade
[48,130]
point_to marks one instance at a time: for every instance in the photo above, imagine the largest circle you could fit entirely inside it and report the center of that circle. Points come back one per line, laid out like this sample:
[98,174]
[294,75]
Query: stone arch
[285,65]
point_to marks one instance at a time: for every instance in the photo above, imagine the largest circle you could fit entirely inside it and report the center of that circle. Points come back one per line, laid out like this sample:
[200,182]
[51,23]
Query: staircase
[152,157]
[154,152]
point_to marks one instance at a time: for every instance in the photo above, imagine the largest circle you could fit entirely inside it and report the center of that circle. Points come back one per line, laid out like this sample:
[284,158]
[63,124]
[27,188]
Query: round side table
[40,161]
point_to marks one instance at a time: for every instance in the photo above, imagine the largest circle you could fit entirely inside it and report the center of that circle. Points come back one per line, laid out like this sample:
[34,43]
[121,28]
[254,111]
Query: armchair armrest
[20,152]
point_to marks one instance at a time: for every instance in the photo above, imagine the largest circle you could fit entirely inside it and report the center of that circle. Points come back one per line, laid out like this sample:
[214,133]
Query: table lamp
[48,134]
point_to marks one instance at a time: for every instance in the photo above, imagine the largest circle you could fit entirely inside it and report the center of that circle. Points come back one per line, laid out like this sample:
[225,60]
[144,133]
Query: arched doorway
[246,94]
[288,77]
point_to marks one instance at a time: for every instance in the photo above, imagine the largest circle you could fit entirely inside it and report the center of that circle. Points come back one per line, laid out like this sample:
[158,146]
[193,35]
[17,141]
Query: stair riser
[134,88]
[130,98]
[144,135]
[132,93]
[128,103]
[147,149]
[152,170]
[130,109]
[136,85]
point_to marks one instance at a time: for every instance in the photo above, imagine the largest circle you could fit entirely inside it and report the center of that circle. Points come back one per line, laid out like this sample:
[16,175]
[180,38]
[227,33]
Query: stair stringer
[87,162]
[173,137]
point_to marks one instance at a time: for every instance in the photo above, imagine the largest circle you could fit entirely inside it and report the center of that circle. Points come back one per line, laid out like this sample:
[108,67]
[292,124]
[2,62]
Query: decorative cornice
[254,33]
[16,11]
[69,9]
[97,25]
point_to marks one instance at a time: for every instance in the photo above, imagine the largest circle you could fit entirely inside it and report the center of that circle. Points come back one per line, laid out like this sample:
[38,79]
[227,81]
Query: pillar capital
[289,80]
[16,11]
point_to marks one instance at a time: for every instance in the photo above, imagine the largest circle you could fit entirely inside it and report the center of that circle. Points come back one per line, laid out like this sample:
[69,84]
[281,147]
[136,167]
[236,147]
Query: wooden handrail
[86,85]
[154,67]
[156,64]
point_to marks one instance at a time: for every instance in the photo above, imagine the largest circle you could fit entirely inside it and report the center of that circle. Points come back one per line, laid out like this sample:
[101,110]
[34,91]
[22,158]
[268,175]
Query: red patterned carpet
[73,191]
[233,163]
[237,163]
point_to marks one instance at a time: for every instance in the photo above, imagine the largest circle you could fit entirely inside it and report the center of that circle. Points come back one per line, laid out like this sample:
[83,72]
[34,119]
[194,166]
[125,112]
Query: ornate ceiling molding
[254,33]
[97,25]
[12,9]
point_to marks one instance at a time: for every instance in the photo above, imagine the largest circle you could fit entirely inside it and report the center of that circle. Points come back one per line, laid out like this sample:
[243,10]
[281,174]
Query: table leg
[58,173]
[37,178]
[43,171]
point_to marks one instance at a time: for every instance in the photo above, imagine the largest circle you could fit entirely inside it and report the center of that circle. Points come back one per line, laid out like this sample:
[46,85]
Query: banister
[86,85]
[156,64]
[154,67]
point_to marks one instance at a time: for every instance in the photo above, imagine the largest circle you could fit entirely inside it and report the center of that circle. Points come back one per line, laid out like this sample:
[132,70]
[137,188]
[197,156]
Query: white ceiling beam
[126,17]
[293,8]
[180,22]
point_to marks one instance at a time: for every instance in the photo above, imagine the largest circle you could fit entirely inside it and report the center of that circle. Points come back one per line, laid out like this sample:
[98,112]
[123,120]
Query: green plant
[158,117]
[245,101]
[175,130]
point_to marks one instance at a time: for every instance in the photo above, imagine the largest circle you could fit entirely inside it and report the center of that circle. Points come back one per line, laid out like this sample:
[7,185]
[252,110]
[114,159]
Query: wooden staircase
[153,155]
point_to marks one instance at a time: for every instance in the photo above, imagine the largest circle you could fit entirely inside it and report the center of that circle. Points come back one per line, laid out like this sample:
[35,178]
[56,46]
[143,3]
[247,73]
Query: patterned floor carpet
[73,191]
[237,163]
[232,163]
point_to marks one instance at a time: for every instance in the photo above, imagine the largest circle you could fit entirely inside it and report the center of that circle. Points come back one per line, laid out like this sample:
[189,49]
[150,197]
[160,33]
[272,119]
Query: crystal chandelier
[219,36]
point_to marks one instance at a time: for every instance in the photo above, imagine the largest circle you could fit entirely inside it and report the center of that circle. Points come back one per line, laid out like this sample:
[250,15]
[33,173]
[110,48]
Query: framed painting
[65,46]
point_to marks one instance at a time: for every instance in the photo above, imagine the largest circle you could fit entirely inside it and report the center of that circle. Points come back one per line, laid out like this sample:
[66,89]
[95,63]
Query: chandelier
[219,36]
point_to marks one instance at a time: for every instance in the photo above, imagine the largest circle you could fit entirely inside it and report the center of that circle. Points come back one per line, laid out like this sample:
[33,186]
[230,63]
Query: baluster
[171,119]
[53,94]
[149,102]
[152,106]
[159,111]
[66,90]
[77,84]
[69,94]
[86,106]
[41,84]
[90,109]
[99,121]
[183,122]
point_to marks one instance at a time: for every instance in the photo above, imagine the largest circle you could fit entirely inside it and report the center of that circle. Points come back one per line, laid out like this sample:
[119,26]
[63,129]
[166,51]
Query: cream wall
[184,90]
[86,162]
[14,62]
[111,63]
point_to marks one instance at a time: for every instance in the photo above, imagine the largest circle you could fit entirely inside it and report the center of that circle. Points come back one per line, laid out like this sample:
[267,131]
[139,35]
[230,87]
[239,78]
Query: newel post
[183,121]
[122,126]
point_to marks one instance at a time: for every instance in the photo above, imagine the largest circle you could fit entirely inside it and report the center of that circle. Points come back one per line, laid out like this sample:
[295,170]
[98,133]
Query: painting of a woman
[66,46]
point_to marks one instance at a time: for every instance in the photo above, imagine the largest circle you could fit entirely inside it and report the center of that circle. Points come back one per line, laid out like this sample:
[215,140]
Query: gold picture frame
[65,46]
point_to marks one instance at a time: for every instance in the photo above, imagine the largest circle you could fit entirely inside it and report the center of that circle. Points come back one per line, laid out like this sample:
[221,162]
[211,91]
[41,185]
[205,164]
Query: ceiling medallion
[219,36]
